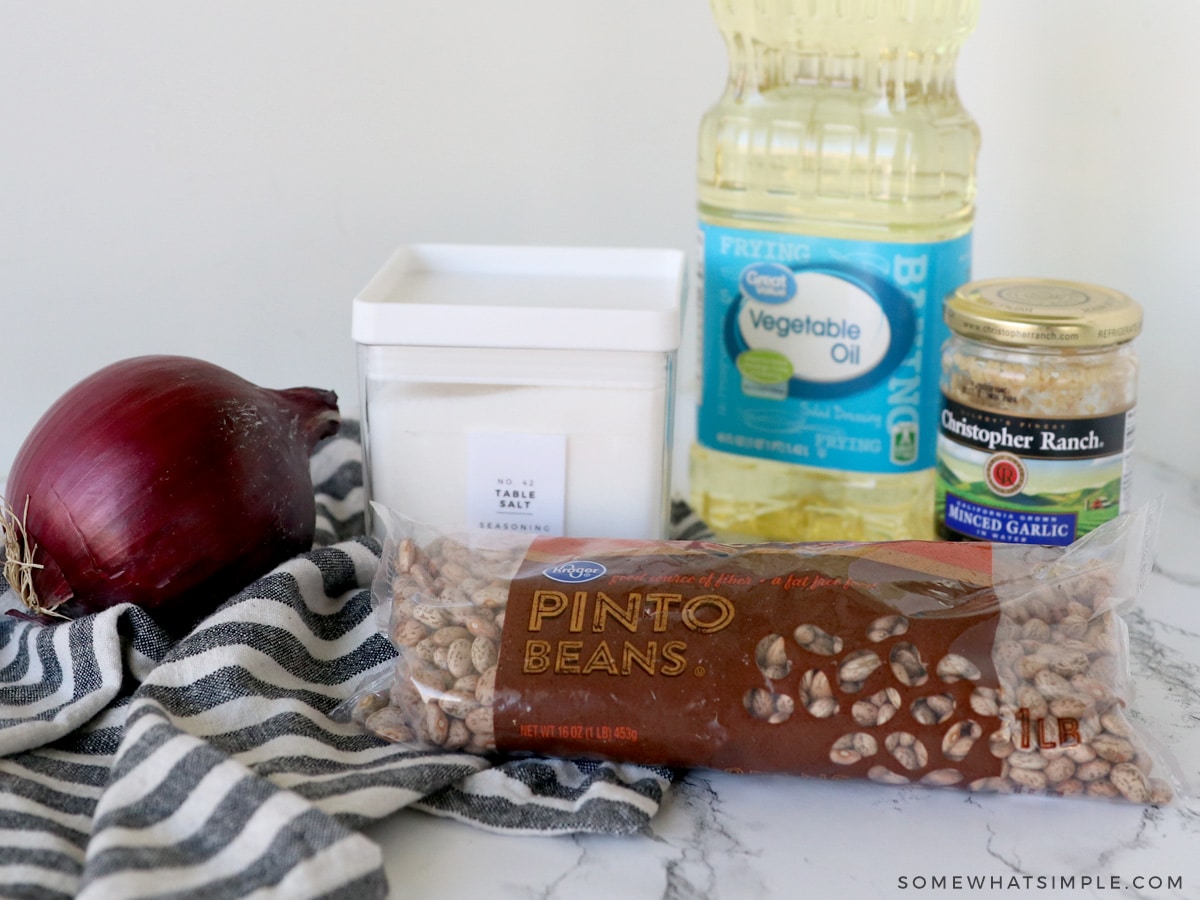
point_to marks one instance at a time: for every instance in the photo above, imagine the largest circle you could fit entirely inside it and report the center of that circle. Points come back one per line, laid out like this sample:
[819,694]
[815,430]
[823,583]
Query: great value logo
[768,283]
[576,571]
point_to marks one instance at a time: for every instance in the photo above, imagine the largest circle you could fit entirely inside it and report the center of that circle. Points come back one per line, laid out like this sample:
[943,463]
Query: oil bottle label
[824,352]
[1021,480]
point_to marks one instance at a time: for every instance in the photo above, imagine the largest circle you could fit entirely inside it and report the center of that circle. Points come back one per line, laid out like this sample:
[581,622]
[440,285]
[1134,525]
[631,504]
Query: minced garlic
[1039,384]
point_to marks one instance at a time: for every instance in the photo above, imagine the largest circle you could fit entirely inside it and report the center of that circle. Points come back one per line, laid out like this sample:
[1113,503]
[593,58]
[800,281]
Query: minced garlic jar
[1039,384]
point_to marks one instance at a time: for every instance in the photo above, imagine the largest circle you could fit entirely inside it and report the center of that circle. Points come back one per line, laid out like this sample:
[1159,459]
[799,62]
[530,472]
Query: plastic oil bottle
[836,198]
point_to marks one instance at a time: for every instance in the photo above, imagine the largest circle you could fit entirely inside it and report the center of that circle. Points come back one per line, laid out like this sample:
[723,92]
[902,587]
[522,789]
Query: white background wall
[219,178]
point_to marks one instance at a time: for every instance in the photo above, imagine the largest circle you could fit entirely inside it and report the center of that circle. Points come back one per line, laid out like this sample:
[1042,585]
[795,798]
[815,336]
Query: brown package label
[832,664]
[981,666]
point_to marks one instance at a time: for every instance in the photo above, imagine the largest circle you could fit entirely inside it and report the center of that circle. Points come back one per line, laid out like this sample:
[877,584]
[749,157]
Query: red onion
[162,481]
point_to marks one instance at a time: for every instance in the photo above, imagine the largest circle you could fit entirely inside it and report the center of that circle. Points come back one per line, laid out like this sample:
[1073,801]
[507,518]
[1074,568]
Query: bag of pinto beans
[983,667]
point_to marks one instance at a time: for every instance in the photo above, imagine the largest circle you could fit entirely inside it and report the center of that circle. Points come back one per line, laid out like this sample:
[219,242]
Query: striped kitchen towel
[132,765]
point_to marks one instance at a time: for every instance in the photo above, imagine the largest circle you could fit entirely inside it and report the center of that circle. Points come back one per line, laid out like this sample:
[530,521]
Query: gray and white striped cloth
[132,766]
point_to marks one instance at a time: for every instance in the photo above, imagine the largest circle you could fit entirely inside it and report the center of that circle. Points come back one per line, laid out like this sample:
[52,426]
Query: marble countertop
[732,836]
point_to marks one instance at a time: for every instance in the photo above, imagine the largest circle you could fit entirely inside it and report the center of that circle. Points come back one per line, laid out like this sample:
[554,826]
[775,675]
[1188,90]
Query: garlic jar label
[1018,479]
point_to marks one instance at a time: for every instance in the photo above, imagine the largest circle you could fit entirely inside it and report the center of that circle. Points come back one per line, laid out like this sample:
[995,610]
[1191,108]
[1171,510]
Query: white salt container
[523,389]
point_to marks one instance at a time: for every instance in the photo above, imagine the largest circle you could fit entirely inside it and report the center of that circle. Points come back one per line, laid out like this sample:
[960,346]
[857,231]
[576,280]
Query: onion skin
[166,482]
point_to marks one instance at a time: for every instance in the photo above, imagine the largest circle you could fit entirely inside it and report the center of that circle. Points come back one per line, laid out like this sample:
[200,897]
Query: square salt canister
[522,389]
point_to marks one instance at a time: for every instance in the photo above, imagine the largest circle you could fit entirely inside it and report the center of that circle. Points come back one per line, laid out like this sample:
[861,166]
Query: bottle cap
[1038,312]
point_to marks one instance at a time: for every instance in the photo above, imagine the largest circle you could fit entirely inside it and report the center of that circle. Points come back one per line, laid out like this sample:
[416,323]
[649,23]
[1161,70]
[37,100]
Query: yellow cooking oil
[836,186]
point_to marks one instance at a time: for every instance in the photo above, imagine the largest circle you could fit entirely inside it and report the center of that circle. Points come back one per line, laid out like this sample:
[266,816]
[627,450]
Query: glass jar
[1039,388]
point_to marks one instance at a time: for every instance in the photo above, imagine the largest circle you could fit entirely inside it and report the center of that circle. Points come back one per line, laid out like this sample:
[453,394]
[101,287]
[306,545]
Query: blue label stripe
[880,418]
[987,523]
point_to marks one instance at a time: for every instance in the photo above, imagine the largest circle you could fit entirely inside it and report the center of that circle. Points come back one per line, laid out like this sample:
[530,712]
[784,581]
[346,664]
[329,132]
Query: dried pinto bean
[816,694]
[768,706]
[852,748]
[771,657]
[855,668]
[884,775]
[907,750]
[907,665]
[942,777]
[815,640]
[877,709]
[933,710]
[960,739]
[985,701]
[885,627]
[952,667]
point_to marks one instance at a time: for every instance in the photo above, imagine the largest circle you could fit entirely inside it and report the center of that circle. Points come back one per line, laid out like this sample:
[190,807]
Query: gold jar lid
[1037,312]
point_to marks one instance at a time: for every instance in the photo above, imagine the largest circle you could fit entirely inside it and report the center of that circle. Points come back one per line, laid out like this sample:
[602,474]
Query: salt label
[517,482]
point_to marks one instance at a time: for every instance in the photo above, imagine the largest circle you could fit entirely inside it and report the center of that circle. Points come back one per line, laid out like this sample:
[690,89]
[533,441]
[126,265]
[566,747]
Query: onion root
[18,559]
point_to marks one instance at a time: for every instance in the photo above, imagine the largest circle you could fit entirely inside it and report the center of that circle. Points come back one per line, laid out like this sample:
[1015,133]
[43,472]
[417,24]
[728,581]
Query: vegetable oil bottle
[836,199]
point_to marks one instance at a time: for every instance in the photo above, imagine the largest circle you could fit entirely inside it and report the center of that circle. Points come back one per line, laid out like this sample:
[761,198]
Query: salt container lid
[536,297]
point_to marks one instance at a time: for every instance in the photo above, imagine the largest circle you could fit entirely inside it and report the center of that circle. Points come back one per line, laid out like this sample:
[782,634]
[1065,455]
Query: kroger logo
[768,283]
[575,572]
